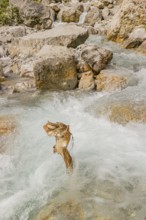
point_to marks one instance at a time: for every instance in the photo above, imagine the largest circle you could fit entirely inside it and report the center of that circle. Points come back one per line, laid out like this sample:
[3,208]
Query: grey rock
[69,35]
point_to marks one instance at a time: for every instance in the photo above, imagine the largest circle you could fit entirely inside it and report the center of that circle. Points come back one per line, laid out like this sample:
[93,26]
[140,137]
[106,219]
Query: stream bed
[109,178]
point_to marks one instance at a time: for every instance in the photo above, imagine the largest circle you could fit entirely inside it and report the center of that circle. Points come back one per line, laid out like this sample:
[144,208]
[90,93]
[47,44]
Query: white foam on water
[33,175]
[109,159]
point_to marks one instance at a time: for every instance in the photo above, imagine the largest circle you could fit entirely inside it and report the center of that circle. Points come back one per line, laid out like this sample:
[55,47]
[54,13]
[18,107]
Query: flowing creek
[109,178]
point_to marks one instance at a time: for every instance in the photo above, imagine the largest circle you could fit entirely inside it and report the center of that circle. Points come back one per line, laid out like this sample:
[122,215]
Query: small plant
[8,15]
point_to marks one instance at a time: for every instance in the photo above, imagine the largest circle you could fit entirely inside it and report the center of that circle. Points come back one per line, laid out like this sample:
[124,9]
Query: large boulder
[37,15]
[55,68]
[95,57]
[69,35]
[131,14]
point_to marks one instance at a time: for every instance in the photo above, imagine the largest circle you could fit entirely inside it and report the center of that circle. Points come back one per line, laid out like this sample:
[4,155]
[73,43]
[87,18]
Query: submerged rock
[55,68]
[7,124]
[114,79]
[69,35]
[70,210]
[123,107]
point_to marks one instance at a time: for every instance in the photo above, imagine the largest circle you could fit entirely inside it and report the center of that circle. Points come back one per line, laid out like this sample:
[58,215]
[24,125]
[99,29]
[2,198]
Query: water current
[109,159]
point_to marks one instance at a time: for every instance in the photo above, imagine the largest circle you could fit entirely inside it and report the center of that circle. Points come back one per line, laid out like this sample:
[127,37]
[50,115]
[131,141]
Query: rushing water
[110,159]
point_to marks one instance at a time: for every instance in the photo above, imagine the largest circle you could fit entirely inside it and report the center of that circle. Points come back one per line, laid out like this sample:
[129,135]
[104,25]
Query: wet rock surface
[122,107]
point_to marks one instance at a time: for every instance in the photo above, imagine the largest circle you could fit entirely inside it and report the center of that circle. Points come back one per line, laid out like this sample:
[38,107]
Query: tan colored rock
[69,35]
[24,86]
[55,68]
[93,16]
[123,107]
[108,81]
[131,14]
[129,112]
[70,13]
[7,124]
[87,81]
[136,38]
[142,47]
[70,210]
[97,4]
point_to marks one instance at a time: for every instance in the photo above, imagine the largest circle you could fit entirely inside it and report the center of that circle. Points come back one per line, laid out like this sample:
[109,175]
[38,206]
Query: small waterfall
[82,17]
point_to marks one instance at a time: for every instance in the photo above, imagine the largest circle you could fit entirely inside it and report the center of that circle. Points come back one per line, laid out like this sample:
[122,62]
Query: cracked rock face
[95,57]
[69,35]
[55,68]
[131,14]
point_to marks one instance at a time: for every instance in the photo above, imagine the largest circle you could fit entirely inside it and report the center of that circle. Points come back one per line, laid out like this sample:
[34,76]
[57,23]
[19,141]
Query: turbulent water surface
[109,159]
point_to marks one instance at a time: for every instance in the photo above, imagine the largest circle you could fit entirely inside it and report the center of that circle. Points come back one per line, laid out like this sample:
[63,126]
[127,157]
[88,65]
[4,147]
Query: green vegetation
[8,15]
[37,1]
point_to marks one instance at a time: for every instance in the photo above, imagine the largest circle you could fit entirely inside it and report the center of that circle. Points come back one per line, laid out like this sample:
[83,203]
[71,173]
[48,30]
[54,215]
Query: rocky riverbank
[54,46]
[69,23]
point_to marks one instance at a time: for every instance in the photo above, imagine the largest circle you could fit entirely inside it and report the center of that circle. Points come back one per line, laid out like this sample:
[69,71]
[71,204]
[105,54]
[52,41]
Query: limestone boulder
[96,57]
[93,16]
[34,14]
[37,15]
[131,14]
[87,81]
[136,38]
[114,79]
[8,34]
[70,13]
[55,68]
[69,35]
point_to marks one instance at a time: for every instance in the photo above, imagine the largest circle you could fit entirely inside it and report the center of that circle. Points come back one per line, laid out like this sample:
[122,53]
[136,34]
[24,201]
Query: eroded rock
[68,210]
[87,81]
[136,38]
[55,68]
[7,124]
[131,14]
[96,57]
[69,35]
[123,107]
[111,80]
[70,13]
